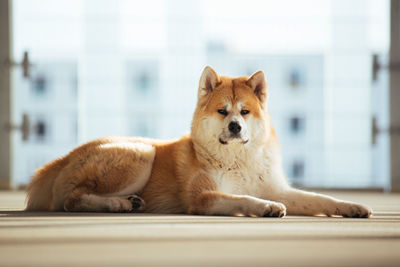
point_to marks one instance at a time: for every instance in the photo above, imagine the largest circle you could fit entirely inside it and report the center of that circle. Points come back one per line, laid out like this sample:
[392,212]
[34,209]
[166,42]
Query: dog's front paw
[274,209]
[138,203]
[117,204]
[354,210]
[131,203]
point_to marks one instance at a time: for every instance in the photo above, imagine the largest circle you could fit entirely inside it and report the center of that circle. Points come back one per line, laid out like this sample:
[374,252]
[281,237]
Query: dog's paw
[117,204]
[274,209]
[131,203]
[137,203]
[353,210]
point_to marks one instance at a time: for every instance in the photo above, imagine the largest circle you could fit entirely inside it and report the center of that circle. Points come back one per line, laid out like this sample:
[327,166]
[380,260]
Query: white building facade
[132,68]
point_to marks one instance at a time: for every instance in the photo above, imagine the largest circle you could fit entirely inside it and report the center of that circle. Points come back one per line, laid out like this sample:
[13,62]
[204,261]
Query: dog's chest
[244,180]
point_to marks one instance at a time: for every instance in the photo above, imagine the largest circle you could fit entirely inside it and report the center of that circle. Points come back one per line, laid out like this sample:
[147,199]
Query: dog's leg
[300,202]
[216,203]
[90,202]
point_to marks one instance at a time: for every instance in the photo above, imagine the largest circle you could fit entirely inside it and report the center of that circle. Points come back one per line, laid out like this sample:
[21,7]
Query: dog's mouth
[223,142]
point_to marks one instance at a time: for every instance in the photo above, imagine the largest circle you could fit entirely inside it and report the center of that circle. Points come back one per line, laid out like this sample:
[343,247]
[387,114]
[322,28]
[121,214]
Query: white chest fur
[255,176]
[254,171]
[240,181]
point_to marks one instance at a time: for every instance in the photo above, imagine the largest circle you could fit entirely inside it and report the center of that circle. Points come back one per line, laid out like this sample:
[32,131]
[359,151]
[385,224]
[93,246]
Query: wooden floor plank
[105,239]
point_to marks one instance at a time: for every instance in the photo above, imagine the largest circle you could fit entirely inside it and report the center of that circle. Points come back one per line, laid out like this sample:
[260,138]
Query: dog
[229,164]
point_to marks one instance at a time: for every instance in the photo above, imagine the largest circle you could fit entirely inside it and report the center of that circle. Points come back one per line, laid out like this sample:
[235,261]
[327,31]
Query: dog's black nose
[234,127]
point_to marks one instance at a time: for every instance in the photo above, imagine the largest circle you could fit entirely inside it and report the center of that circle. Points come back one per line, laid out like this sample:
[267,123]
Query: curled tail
[40,189]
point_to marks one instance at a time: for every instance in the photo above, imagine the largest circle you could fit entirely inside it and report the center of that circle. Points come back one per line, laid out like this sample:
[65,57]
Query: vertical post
[5,94]
[395,94]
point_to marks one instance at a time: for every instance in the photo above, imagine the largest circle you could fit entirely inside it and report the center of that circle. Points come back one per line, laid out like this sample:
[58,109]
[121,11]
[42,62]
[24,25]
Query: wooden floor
[84,239]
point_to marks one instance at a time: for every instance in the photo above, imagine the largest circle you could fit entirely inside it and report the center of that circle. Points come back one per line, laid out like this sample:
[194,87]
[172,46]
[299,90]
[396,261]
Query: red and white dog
[230,164]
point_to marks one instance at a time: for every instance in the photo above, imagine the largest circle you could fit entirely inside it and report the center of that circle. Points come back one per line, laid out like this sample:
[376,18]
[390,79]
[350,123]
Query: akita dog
[230,164]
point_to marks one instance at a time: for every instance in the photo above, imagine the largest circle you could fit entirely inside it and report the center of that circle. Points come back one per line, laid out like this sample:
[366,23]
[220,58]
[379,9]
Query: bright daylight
[199,133]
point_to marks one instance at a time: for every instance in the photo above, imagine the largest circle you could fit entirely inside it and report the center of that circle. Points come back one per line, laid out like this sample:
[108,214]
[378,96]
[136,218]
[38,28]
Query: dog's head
[231,111]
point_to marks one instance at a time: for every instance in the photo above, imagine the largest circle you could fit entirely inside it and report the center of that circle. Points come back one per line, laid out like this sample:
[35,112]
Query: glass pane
[132,68]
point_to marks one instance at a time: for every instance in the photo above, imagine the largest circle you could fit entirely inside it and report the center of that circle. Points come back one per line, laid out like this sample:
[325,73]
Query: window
[297,125]
[143,82]
[40,130]
[39,85]
[296,78]
[297,171]
[143,78]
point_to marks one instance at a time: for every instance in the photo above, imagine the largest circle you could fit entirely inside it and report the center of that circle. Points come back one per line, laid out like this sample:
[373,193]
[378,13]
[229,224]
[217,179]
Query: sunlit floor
[84,239]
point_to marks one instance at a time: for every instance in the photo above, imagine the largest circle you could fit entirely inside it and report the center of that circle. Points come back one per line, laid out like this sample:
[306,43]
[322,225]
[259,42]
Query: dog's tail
[40,190]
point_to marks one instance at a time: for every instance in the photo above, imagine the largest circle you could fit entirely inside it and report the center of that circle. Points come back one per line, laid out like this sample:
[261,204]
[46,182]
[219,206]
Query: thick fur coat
[230,164]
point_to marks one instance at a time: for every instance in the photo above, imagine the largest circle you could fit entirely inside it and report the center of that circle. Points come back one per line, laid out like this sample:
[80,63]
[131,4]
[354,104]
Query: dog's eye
[223,112]
[244,111]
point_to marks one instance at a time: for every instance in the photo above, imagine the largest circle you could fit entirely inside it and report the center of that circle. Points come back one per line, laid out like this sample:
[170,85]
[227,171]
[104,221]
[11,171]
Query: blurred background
[126,67]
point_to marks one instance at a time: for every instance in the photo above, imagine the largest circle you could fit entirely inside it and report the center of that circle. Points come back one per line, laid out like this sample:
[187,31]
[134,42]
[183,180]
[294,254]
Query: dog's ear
[258,83]
[208,81]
